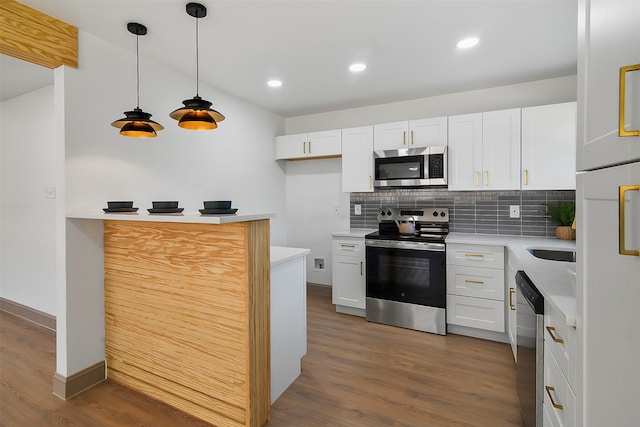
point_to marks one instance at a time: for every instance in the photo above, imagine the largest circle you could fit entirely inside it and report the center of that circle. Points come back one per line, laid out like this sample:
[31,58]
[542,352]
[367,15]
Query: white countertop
[187,217]
[556,280]
[353,232]
[281,254]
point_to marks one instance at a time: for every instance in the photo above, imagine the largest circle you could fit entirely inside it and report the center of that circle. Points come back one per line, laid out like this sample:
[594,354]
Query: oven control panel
[418,214]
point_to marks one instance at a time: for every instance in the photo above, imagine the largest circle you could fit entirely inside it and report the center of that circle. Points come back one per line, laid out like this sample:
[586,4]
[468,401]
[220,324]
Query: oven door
[409,272]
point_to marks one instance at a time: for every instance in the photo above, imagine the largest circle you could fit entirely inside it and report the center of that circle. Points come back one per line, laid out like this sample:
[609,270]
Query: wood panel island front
[186,312]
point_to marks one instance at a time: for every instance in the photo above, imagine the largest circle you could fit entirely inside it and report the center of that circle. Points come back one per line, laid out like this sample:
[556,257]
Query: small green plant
[562,213]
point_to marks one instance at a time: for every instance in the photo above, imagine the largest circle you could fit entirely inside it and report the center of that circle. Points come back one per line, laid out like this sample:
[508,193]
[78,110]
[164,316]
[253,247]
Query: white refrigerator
[608,214]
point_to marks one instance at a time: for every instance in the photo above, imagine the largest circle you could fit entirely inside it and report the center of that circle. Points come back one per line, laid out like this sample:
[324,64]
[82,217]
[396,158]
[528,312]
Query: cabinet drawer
[475,255]
[348,247]
[557,391]
[559,339]
[475,313]
[475,282]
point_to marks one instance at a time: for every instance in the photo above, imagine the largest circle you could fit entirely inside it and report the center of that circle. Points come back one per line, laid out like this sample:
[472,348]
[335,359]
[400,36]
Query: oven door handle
[395,244]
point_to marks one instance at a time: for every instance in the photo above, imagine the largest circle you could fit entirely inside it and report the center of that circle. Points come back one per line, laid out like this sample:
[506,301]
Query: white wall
[541,92]
[314,187]
[27,217]
[233,162]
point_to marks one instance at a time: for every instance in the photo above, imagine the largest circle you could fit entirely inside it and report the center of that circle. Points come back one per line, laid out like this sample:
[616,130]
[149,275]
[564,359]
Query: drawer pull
[511,292]
[549,390]
[474,281]
[344,245]
[474,255]
[550,329]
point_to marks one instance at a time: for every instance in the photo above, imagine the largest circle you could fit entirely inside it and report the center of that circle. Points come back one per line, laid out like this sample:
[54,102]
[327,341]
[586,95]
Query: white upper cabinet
[484,151]
[357,159]
[549,147]
[410,134]
[608,40]
[309,145]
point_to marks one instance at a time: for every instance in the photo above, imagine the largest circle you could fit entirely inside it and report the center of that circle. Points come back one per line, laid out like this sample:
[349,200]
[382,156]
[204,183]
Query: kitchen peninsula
[186,308]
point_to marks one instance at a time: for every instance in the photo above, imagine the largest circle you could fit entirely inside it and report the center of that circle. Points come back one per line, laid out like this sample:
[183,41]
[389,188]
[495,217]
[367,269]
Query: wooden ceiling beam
[33,36]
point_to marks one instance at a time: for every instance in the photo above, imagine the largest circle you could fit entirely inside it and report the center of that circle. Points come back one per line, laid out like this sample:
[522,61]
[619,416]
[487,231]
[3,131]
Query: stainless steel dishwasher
[530,347]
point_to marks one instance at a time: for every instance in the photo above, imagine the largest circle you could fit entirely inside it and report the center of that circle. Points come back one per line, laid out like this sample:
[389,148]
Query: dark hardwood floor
[354,374]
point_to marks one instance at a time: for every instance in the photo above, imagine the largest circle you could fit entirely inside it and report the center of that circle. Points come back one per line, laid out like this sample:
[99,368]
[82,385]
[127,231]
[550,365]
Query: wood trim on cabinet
[35,37]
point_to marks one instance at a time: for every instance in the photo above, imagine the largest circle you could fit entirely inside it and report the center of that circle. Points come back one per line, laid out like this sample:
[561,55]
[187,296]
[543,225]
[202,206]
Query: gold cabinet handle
[551,330]
[526,177]
[304,147]
[511,292]
[369,181]
[477,282]
[411,137]
[553,402]
[404,137]
[486,178]
[622,229]
[477,174]
[361,264]
[623,76]
[344,245]
[309,147]
[474,255]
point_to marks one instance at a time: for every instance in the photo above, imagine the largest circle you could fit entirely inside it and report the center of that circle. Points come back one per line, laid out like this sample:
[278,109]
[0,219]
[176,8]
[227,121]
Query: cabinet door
[510,280]
[607,41]
[549,147]
[357,159]
[325,143]
[428,132]
[501,150]
[607,293]
[390,136]
[465,152]
[291,146]
[348,287]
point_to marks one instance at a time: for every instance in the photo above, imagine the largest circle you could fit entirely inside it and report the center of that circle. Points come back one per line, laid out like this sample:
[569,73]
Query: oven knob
[382,213]
[389,213]
[442,214]
[435,213]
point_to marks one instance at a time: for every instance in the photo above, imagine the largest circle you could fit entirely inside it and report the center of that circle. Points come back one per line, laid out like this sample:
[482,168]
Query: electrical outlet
[357,209]
[514,211]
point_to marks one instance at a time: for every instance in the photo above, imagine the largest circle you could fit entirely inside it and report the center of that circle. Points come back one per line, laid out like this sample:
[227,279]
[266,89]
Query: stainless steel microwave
[411,167]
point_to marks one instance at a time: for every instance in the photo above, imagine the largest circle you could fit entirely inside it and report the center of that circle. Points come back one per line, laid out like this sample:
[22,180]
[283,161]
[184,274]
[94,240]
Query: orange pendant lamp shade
[197,114]
[137,123]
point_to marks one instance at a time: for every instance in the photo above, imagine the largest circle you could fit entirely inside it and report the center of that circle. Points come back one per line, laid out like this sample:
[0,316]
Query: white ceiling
[409,46]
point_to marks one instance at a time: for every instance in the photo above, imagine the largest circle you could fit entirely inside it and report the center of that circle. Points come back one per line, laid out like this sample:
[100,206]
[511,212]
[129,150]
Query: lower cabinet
[559,402]
[475,286]
[348,275]
[512,290]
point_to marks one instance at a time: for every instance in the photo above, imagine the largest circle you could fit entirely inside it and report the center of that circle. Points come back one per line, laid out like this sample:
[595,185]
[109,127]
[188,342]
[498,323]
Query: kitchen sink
[553,254]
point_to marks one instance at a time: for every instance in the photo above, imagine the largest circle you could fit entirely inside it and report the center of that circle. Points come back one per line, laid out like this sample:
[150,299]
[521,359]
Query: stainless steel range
[406,269]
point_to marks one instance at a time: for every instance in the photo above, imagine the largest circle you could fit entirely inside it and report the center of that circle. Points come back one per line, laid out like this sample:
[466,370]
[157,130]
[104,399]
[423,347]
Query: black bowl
[119,205]
[165,205]
[217,204]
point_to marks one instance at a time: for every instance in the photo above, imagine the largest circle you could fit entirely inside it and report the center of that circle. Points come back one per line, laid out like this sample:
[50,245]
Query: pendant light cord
[138,69]
[197,61]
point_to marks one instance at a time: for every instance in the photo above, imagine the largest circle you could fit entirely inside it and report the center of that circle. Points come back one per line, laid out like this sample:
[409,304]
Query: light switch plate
[514,211]
[357,209]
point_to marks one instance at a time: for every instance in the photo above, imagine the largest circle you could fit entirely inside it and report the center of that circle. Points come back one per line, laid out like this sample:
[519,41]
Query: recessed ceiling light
[274,83]
[356,68]
[467,43]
